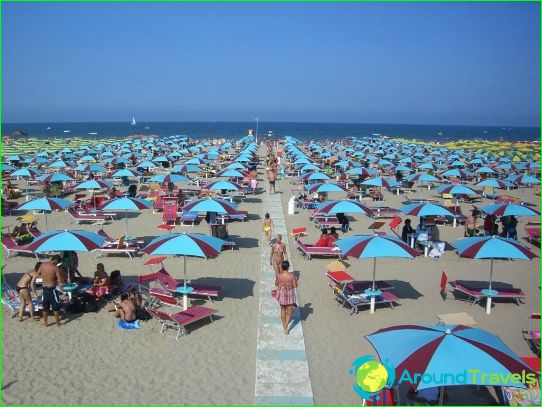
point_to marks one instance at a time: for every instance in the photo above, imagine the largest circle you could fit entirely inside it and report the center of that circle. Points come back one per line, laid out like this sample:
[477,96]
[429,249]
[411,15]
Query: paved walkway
[282,372]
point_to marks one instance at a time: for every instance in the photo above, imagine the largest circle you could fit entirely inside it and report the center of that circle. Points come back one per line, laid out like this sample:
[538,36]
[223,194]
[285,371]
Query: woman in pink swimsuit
[286,284]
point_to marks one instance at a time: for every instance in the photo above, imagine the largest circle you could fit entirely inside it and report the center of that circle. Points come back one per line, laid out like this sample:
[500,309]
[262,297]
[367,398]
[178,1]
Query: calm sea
[317,131]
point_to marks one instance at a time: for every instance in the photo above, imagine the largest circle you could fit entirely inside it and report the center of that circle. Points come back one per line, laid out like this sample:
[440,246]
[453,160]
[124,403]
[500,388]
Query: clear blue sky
[444,63]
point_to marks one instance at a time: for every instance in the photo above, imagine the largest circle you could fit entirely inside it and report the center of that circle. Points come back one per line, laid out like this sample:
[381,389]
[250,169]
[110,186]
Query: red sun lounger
[310,250]
[181,320]
[353,302]
[11,246]
[474,291]
[341,280]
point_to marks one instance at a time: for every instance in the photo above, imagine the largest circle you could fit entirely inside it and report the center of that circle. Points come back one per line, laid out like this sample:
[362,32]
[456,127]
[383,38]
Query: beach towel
[128,325]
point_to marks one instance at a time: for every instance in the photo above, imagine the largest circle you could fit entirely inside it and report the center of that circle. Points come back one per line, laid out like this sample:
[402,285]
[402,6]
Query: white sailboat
[133,121]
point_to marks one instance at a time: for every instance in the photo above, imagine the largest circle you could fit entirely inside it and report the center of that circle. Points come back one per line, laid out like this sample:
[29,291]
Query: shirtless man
[278,254]
[272,177]
[52,278]
[126,309]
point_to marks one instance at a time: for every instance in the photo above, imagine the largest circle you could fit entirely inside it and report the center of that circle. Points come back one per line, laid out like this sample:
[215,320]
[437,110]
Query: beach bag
[75,306]
[143,315]
[274,294]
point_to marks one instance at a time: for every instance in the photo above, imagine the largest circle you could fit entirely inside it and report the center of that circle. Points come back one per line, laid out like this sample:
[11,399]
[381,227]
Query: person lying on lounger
[21,235]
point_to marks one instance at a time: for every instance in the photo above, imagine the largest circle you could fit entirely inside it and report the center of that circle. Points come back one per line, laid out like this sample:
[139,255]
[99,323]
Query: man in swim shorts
[126,309]
[271,176]
[52,278]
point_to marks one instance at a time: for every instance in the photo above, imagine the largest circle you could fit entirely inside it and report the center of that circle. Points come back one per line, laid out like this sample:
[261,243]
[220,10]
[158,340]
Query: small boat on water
[48,128]
[92,133]
[66,131]
[133,121]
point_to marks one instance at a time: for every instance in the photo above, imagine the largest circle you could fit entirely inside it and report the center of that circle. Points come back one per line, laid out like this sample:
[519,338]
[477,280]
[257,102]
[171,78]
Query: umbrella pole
[441,396]
[488,302]
[373,299]
[126,221]
[185,295]
[46,226]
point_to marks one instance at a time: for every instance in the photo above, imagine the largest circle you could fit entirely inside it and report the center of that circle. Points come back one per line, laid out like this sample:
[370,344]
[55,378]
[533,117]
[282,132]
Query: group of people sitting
[327,239]
[423,231]
[490,225]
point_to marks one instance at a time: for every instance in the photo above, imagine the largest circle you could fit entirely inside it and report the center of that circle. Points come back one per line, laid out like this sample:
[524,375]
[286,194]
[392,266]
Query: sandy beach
[89,360]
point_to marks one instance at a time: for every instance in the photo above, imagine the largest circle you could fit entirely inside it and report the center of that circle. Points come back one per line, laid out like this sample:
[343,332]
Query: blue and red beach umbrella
[436,351]
[185,244]
[66,240]
[45,205]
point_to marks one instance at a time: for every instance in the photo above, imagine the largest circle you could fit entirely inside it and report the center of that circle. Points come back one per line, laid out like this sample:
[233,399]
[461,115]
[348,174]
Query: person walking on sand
[52,278]
[278,254]
[286,284]
[267,226]
[272,177]
[253,175]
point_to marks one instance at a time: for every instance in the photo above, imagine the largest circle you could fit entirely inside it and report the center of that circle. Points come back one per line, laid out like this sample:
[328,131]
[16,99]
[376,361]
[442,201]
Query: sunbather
[101,281]
[26,286]
[22,235]
[125,309]
[323,239]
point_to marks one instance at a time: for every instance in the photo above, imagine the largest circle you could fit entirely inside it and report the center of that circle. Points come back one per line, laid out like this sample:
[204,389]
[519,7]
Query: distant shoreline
[301,130]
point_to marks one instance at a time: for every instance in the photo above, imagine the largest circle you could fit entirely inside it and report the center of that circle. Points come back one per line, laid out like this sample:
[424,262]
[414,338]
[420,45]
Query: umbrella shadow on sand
[244,242]
[404,289]
[238,288]
[254,216]
[250,199]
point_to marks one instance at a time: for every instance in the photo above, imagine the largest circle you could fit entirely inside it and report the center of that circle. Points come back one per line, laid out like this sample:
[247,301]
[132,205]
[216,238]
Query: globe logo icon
[372,376]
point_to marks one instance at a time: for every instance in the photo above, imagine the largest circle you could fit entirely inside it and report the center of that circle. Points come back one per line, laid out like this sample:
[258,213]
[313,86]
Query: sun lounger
[170,284]
[508,199]
[120,247]
[11,246]
[169,212]
[376,226]
[181,320]
[376,194]
[300,231]
[352,302]
[188,217]
[384,212]
[111,241]
[326,222]
[83,218]
[310,250]
[532,230]
[532,334]
[473,290]
[10,298]
[341,280]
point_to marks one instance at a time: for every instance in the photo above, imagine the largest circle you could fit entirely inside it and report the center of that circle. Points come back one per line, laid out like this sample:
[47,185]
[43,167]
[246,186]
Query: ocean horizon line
[508,126]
